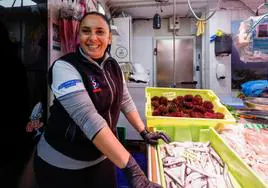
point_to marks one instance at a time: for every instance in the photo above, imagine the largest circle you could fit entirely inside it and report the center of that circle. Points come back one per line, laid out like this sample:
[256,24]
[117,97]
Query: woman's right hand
[114,150]
[136,177]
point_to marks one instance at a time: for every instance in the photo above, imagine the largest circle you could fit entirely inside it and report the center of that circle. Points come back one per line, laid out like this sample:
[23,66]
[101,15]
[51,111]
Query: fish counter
[199,157]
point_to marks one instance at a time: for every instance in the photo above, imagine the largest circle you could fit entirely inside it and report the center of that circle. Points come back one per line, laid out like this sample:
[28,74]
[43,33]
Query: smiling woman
[80,136]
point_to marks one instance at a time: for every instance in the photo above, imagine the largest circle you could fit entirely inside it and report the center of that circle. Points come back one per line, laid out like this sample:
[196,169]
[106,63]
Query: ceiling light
[16,3]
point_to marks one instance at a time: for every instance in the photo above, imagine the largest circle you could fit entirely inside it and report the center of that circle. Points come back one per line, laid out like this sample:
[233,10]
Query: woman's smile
[94,36]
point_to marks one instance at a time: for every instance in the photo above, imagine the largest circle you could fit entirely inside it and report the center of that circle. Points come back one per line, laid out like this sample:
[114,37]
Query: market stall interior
[24,54]
[196,69]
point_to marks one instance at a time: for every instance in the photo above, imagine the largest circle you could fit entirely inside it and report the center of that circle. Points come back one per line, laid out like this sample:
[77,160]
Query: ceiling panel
[147,8]
[148,12]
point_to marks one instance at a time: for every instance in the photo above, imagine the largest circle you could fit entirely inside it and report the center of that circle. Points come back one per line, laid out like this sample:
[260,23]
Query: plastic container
[234,102]
[241,174]
[171,93]
[223,45]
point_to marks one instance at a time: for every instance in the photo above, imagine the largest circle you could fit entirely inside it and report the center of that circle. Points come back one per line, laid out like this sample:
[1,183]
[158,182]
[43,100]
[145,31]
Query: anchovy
[227,178]
[200,171]
[169,150]
[173,162]
[216,156]
[173,177]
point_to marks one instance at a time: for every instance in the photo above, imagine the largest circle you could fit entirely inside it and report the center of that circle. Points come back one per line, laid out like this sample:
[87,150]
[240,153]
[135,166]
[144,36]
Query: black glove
[136,177]
[152,137]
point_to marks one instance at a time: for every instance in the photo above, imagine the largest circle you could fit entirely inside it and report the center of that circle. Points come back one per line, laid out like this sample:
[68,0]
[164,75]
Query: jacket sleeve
[127,104]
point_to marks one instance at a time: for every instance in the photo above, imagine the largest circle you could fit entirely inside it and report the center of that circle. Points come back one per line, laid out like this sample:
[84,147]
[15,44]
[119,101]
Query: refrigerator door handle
[155,51]
[193,82]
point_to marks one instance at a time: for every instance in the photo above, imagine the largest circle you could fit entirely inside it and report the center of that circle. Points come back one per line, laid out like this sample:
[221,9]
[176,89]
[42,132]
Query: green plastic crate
[241,174]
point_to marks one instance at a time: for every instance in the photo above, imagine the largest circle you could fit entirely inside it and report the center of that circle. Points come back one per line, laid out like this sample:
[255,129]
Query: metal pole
[174,62]
[13,3]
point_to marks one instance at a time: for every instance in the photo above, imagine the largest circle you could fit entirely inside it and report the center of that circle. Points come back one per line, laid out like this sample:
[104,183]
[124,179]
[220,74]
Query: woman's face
[94,36]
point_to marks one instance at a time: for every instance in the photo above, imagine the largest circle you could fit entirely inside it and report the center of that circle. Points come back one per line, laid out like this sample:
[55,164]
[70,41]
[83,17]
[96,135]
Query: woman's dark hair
[97,14]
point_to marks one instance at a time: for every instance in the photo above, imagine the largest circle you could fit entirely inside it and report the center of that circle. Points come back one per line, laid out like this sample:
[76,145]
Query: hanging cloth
[69,15]
[200,27]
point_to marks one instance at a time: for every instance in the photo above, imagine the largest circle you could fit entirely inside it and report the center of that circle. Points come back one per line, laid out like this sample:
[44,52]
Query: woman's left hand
[152,137]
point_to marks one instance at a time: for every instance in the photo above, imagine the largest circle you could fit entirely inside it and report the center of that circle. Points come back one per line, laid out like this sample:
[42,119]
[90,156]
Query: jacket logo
[95,84]
[69,83]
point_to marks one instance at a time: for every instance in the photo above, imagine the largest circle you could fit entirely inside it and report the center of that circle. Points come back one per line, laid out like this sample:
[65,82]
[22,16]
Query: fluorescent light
[100,8]
[8,3]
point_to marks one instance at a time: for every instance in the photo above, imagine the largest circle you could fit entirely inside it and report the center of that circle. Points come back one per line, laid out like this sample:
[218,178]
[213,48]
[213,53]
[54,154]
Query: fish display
[251,145]
[193,164]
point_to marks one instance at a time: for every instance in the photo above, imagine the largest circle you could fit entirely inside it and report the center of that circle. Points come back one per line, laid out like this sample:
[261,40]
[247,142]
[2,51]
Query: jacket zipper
[112,82]
[103,70]
[110,119]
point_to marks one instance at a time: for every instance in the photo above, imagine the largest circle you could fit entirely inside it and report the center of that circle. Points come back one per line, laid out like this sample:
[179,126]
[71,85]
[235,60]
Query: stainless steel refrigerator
[182,73]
